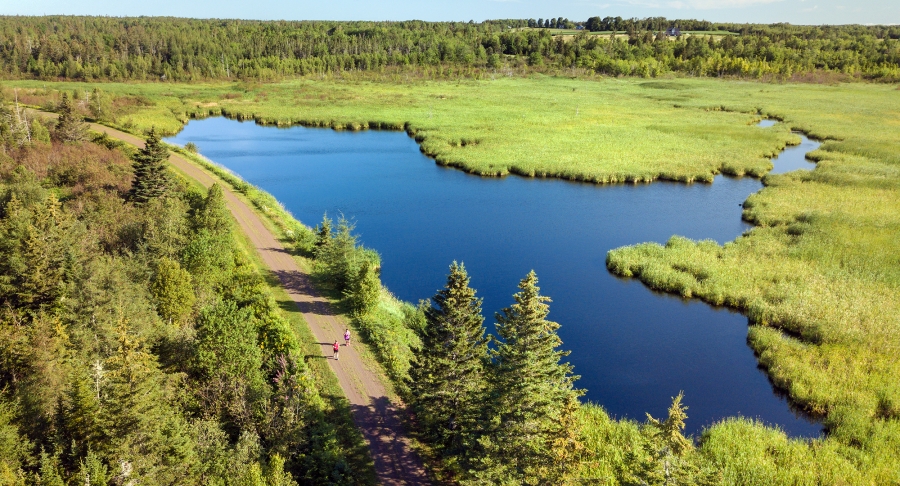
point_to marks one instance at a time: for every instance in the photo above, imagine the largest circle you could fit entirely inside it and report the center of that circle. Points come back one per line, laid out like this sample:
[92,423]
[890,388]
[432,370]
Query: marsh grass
[819,276]
[611,131]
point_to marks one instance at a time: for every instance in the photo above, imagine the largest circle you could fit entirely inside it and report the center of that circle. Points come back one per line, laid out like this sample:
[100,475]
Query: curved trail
[373,412]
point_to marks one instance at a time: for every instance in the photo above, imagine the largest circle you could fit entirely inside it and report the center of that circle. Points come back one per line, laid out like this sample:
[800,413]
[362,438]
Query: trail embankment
[373,411]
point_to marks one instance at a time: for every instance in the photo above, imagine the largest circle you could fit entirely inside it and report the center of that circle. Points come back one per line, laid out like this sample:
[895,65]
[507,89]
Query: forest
[139,342]
[172,49]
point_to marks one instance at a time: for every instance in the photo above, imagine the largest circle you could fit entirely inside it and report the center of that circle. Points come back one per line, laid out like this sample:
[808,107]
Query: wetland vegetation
[818,275]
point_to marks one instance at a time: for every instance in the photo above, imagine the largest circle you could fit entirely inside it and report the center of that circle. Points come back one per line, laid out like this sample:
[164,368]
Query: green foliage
[151,173]
[39,132]
[93,472]
[69,126]
[323,234]
[447,382]
[534,398]
[213,215]
[14,448]
[363,290]
[81,343]
[227,366]
[38,244]
[173,291]
[669,432]
[87,48]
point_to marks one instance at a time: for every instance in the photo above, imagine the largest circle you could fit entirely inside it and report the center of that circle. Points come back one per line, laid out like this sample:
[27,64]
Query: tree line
[172,49]
[138,343]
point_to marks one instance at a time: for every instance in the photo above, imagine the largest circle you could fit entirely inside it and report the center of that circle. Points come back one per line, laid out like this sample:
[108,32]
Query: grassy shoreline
[819,275]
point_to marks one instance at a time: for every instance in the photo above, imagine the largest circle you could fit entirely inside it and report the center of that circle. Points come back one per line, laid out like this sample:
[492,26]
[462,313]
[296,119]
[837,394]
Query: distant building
[673,32]
[579,27]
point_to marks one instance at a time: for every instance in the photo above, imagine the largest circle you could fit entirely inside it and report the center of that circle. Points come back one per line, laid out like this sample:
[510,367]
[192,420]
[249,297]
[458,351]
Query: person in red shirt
[336,347]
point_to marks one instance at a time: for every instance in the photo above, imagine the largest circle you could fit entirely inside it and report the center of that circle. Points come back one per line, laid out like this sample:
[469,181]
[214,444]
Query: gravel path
[373,412]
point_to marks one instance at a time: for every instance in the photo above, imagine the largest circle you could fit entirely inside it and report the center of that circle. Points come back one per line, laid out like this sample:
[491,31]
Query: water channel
[634,348]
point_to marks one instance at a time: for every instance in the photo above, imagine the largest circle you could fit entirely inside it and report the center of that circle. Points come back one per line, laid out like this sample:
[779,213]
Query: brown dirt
[373,411]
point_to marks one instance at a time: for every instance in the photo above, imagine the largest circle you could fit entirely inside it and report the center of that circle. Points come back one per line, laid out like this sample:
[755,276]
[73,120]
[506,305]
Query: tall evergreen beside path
[447,375]
[373,412]
[151,178]
[534,398]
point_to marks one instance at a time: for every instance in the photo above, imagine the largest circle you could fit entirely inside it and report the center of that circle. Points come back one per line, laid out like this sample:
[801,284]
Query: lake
[633,348]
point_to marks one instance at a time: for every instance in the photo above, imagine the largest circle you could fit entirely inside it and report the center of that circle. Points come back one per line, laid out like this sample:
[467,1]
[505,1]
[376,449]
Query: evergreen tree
[69,126]
[363,291]
[151,177]
[534,397]
[666,458]
[39,133]
[213,214]
[323,234]
[227,367]
[173,291]
[447,374]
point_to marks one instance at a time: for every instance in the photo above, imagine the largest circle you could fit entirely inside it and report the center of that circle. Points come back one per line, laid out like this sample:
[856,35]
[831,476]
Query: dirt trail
[373,412]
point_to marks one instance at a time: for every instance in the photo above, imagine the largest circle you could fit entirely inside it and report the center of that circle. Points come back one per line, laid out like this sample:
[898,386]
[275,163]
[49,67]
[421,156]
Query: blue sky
[764,11]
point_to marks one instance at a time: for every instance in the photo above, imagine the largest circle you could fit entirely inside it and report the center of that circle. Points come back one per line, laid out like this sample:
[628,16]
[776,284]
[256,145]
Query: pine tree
[213,214]
[670,431]
[69,127]
[151,177]
[363,290]
[534,396]
[666,458]
[323,234]
[447,374]
[172,289]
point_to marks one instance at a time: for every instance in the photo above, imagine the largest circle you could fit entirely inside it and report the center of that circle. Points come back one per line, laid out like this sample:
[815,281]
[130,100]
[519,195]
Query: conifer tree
[363,290]
[213,214]
[447,374]
[173,291]
[69,126]
[151,178]
[534,396]
[323,234]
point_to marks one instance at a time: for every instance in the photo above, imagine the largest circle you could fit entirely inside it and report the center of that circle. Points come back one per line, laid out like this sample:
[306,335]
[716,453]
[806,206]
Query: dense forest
[173,49]
[138,342]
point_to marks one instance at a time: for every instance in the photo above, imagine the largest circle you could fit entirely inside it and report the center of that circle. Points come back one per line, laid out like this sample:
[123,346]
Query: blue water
[634,348]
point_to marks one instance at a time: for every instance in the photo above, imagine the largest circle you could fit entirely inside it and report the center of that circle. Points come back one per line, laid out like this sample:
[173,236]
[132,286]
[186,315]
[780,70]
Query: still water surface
[634,348]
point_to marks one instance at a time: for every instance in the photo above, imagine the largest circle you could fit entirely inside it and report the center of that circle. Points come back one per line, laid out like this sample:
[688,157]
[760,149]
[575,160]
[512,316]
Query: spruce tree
[69,126]
[447,374]
[534,397]
[151,177]
[323,234]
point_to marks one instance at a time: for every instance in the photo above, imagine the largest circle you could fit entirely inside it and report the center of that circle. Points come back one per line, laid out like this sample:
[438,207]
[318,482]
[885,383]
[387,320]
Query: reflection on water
[634,348]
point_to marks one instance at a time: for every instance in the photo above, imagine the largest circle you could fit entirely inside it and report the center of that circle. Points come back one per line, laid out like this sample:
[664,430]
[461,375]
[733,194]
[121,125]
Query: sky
[756,11]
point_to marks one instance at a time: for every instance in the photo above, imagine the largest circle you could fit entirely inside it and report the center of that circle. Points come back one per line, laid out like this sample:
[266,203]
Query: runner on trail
[347,337]
[336,347]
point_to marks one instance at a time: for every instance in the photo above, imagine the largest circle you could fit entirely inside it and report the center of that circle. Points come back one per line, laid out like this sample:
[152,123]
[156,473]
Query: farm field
[819,276]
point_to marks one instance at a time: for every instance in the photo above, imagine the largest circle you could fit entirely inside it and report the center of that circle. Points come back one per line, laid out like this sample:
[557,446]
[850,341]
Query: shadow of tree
[395,461]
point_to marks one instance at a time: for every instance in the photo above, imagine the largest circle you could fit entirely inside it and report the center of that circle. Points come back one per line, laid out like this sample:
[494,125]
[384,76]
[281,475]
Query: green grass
[819,276]
[605,132]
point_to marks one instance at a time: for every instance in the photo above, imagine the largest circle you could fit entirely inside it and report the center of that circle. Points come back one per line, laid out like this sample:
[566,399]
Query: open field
[819,277]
